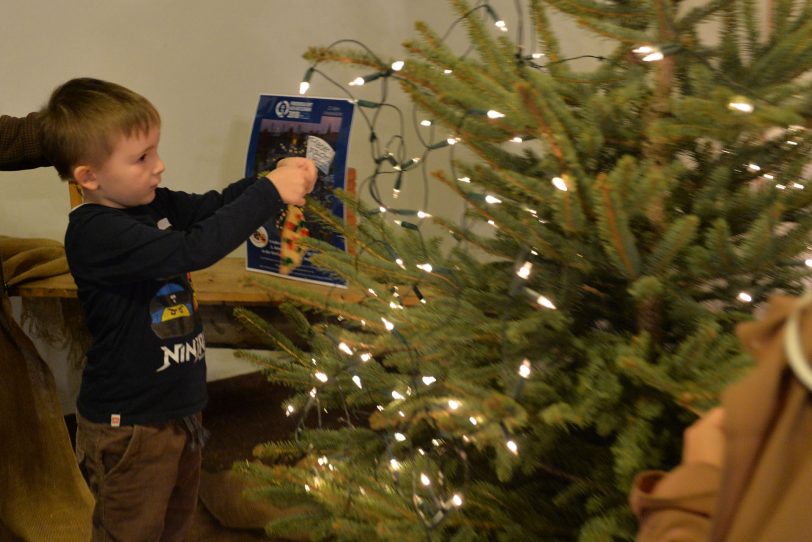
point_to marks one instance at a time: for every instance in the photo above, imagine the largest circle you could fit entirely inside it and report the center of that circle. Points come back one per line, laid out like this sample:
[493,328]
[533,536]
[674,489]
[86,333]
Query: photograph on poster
[318,129]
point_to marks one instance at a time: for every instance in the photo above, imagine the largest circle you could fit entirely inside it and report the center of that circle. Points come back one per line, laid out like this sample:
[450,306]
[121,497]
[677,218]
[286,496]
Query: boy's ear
[84,177]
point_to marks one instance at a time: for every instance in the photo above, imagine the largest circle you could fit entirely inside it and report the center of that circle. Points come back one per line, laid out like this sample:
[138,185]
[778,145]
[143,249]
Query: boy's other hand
[294,178]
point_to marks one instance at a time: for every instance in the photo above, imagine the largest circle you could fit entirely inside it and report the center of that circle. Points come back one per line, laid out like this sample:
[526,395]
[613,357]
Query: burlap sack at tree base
[223,495]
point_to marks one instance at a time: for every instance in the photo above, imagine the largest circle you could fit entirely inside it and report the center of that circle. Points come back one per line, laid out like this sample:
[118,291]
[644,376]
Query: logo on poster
[282,108]
[295,109]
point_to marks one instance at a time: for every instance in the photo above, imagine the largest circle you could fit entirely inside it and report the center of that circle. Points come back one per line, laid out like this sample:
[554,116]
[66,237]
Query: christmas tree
[619,222]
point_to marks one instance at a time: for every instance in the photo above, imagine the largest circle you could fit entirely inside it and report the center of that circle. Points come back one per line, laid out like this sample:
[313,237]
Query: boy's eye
[142,157]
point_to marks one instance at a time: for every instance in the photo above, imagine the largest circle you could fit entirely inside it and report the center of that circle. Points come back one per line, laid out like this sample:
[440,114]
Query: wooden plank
[57,286]
[226,282]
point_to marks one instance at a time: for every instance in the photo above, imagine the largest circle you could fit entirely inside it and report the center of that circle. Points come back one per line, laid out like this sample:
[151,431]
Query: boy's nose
[159,167]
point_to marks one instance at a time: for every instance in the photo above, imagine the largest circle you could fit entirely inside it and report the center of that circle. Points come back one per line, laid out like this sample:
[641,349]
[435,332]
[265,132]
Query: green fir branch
[614,229]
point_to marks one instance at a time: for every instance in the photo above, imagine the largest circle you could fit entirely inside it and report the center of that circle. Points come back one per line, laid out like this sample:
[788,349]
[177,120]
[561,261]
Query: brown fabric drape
[42,494]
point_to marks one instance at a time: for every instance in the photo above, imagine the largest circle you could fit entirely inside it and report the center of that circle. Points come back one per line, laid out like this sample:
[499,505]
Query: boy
[130,246]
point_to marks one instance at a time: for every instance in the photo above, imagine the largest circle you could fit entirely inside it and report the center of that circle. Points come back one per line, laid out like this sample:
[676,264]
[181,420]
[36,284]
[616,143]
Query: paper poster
[315,128]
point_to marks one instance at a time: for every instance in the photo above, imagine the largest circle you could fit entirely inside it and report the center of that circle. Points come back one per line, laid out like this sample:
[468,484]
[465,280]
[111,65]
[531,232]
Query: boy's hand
[294,178]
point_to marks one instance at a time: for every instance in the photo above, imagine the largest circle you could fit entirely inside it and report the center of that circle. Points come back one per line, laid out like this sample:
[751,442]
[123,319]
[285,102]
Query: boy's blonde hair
[85,117]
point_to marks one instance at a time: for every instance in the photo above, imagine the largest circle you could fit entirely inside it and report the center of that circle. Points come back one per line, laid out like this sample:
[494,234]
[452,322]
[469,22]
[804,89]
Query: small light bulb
[740,104]
[457,499]
[387,324]
[780,186]
[768,176]
[464,179]
[425,479]
[745,297]
[447,71]
[357,380]
[808,262]
[313,392]
[425,123]
[536,56]
[290,410]
[425,267]
[398,65]
[421,214]
[492,199]
[524,369]
[371,291]
[393,463]
[357,82]
[524,270]
[472,420]
[429,380]
[397,395]
[399,261]
[321,377]
[560,183]
[493,114]
[304,86]
[366,356]
[797,186]
[544,302]
[400,437]
[516,139]
[453,404]
[307,488]
[753,167]
[382,209]
[513,447]
[649,53]
[500,24]
[345,348]
[451,140]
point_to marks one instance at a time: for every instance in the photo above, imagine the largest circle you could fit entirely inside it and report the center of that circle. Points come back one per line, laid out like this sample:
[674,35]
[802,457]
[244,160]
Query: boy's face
[130,174]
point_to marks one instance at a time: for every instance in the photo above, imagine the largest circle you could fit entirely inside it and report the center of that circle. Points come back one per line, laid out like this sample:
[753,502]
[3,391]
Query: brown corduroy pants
[145,479]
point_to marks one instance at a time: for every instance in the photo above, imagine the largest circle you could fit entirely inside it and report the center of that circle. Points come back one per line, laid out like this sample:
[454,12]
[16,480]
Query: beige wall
[201,62]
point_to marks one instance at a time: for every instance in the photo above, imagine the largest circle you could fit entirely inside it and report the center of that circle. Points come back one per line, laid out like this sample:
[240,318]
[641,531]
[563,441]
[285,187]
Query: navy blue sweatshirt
[146,363]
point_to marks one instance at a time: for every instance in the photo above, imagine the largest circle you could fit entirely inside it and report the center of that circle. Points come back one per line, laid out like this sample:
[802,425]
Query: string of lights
[394,155]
